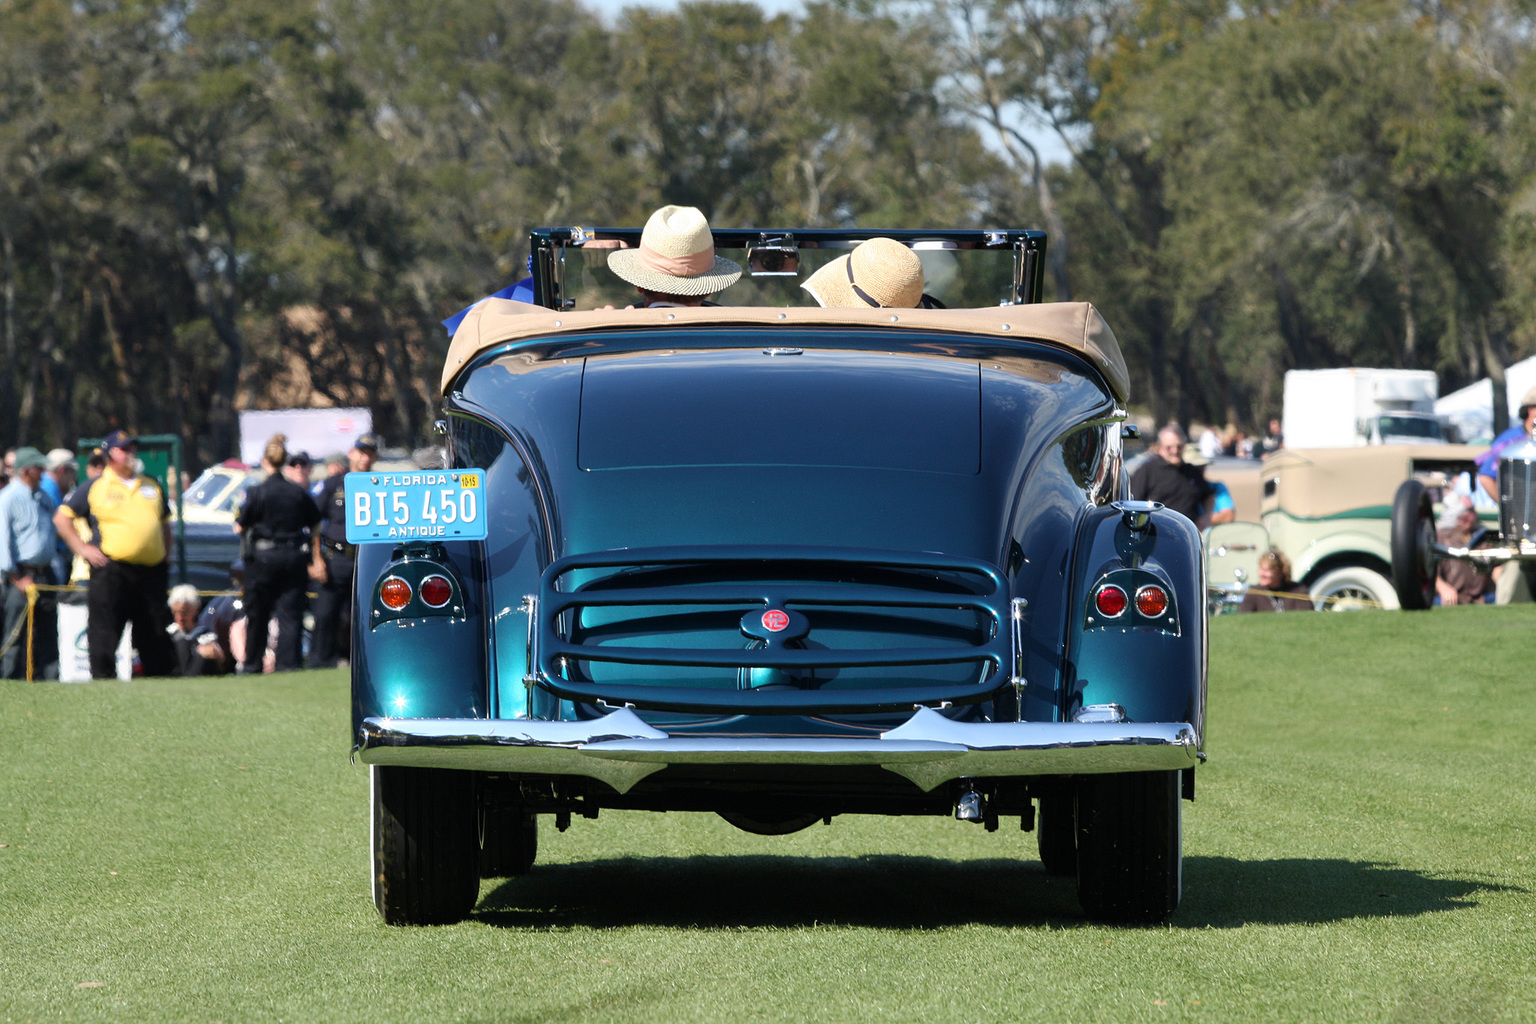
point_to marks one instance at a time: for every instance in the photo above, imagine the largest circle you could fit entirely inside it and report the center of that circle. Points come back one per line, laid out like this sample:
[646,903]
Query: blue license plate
[439,504]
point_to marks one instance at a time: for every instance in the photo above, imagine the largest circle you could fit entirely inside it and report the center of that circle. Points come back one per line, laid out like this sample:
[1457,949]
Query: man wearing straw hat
[880,274]
[675,264]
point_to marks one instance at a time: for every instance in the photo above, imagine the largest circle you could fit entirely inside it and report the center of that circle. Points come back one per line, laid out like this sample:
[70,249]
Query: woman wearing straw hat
[675,264]
[880,273]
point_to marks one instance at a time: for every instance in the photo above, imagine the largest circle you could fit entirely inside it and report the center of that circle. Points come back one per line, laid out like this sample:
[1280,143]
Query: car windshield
[1410,426]
[954,275]
[206,489]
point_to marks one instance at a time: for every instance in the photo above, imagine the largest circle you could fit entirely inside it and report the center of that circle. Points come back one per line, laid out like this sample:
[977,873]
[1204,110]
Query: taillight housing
[1132,599]
[418,583]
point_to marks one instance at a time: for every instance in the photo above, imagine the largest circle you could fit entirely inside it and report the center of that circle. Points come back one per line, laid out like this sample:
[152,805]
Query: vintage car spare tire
[425,850]
[770,823]
[1413,552]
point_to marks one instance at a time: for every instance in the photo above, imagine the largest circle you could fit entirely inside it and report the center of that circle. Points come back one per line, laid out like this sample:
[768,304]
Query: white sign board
[320,432]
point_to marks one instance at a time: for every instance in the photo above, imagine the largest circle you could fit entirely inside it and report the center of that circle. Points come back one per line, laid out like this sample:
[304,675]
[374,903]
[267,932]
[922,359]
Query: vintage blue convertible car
[782,563]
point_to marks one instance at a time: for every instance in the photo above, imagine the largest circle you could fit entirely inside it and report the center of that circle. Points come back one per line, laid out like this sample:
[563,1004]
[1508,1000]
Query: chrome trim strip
[929,749]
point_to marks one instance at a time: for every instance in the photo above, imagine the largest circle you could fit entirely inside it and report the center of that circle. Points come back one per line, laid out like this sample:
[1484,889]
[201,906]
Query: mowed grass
[1360,849]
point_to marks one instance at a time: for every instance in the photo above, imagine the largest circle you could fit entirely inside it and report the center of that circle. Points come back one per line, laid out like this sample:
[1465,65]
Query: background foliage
[208,205]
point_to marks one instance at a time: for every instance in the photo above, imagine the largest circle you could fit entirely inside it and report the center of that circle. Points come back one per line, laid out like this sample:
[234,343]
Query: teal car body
[783,563]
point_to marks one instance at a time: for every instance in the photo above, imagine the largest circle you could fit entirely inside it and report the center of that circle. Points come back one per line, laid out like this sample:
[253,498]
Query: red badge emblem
[775,620]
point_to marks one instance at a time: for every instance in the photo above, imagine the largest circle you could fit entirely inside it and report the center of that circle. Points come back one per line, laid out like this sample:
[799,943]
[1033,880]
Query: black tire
[1130,854]
[425,848]
[509,841]
[1056,832]
[1413,555]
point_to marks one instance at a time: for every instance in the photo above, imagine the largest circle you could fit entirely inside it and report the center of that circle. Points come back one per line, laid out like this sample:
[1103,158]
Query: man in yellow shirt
[130,534]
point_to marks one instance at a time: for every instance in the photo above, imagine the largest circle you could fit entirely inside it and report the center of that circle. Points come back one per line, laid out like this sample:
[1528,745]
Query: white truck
[1351,406]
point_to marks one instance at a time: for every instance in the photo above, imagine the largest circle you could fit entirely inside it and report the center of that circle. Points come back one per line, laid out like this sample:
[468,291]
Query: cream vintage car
[1329,510]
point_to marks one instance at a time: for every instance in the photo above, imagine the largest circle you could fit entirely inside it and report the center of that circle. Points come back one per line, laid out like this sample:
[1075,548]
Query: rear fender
[1154,668]
[419,662]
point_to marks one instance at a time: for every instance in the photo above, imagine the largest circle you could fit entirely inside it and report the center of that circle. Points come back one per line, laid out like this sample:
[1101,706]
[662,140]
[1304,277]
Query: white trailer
[1356,405]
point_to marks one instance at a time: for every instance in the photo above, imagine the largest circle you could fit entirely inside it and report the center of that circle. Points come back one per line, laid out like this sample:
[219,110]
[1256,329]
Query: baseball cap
[299,459]
[28,457]
[369,441]
[60,457]
[336,459]
[118,439]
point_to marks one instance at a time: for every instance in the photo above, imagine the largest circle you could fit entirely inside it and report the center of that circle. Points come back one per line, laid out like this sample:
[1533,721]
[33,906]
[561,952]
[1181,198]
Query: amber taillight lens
[395,593]
[436,591]
[1151,601]
[1110,601]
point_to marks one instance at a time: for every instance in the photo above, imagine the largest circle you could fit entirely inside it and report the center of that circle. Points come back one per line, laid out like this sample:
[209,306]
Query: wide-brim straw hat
[676,256]
[880,272]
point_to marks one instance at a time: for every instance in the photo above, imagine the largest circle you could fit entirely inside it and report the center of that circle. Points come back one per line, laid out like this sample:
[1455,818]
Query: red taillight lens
[1110,601]
[436,591]
[1151,601]
[395,593]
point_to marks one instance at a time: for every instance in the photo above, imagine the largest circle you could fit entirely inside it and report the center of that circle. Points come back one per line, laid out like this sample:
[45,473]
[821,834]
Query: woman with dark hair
[1276,591]
[277,523]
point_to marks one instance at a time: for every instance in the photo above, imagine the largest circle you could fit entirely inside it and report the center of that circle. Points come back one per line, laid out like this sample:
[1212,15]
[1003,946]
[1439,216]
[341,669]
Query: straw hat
[880,272]
[676,256]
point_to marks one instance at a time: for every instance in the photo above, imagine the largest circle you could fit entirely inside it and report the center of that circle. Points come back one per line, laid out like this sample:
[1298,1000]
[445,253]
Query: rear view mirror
[774,257]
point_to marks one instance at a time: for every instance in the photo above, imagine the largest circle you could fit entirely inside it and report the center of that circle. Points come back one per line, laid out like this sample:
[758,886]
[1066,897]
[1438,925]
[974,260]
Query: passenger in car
[675,264]
[880,273]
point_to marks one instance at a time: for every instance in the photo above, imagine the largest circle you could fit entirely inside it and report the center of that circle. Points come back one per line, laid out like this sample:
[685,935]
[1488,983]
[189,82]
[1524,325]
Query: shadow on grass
[929,892]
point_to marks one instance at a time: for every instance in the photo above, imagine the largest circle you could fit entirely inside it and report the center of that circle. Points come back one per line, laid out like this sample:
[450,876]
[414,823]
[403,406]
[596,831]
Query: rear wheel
[1129,846]
[1413,553]
[1056,834]
[425,853]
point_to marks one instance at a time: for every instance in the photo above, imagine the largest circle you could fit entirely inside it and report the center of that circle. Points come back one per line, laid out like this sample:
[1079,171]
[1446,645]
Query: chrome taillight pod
[436,591]
[1151,600]
[394,593]
[1110,601]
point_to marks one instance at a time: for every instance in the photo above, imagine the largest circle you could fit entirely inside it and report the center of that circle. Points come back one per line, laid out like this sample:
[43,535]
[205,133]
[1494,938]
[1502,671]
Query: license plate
[425,505]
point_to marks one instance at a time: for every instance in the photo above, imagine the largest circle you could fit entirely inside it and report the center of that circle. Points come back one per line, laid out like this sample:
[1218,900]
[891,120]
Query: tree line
[208,205]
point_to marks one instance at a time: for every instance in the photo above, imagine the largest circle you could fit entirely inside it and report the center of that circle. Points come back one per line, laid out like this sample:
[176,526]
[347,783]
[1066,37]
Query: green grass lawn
[1361,849]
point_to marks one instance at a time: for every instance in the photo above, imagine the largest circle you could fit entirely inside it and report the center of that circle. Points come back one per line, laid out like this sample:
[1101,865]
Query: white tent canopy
[1470,410]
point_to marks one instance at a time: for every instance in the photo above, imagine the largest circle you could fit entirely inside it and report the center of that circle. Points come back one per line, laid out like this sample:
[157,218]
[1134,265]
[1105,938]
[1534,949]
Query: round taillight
[395,593]
[1151,601]
[1110,601]
[436,591]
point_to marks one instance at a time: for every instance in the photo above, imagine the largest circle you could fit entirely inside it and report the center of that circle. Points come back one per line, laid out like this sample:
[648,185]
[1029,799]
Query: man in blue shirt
[1488,462]
[27,538]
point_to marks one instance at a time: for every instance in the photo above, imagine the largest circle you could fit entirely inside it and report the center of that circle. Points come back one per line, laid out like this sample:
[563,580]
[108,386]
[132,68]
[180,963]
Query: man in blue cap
[332,572]
[26,557]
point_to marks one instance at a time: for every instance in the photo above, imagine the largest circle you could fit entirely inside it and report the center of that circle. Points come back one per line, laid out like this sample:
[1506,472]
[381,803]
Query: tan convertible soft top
[1073,325]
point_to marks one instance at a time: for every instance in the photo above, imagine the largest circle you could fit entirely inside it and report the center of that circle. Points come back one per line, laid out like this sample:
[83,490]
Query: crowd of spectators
[110,535]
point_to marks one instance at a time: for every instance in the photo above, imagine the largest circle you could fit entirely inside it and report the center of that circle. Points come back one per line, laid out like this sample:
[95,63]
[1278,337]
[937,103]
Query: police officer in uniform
[332,571]
[277,523]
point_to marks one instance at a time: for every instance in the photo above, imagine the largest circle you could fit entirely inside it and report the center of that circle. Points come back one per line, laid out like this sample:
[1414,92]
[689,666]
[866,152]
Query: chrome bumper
[620,749]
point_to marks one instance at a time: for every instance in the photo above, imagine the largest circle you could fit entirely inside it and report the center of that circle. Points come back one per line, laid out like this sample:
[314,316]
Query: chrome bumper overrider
[620,749]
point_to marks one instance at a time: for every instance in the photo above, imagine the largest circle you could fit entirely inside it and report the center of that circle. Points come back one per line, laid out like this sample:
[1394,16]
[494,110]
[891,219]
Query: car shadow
[929,892]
